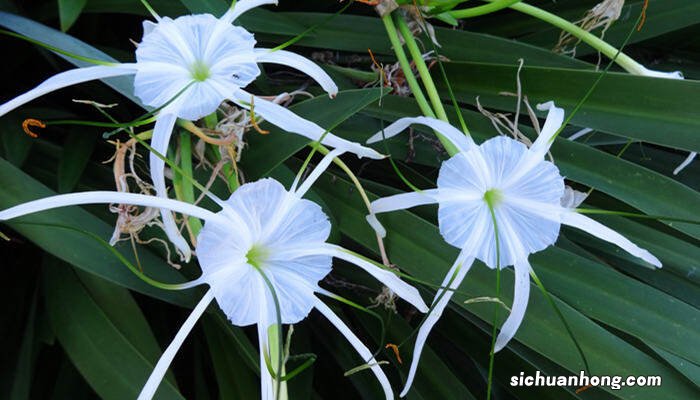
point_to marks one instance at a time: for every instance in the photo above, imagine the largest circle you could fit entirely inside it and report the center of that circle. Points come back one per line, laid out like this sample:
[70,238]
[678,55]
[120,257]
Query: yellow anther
[395,349]
[252,118]
[29,123]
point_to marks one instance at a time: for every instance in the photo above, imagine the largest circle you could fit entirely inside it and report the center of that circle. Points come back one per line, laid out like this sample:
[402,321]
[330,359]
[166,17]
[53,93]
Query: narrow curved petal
[149,389]
[159,142]
[580,133]
[455,136]
[241,7]
[300,63]
[520,299]
[361,349]
[387,278]
[555,118]
[660,74]
[400,201]
[404,201]
[316,173]
[68,78]
[685,163]
[287,120]
[452,280]
[107,197]
[601,231]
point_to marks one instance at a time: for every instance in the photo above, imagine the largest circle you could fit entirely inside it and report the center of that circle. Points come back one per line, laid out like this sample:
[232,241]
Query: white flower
[261,229]
[190,65]
[525,193]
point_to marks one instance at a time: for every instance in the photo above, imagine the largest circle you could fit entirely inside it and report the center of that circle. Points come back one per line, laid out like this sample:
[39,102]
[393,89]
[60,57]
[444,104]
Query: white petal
[685,163]
[106,197]
[520,299]
[300,63]
[148,27]
[156,84]
[376,225]
[149,389]
[287,120]
[159,142]
[555,118]
[455,136]
[580,133]
[242,6]
[239,290]
[452,280]
[68,78]
[361,349]
[316,173]
[601,231]
[387,278]
[660,74]
[168,43]
[400,201]
[404,201]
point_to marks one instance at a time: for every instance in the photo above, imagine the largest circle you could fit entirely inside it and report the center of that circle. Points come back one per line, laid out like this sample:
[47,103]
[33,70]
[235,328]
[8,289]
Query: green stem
[623,60]
[187,187]
[406,66]
[411,80]
[422,68]
[496,5]
[492,354]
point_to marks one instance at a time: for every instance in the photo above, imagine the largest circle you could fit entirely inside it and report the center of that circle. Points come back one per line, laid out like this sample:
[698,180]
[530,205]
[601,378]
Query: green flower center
[257,256]
[492,197]
[200,71]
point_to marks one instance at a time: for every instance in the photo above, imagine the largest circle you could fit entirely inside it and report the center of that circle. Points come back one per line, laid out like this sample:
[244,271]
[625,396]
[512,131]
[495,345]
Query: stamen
[32,123]
[379,68]
[643,18]
[395,349]
[252,118]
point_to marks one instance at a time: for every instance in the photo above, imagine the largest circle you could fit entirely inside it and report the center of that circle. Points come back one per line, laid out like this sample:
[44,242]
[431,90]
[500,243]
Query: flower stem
[422,68]
[483,9]
[492,354]
[406,66]
[623,60]
[411,79]
[195,225]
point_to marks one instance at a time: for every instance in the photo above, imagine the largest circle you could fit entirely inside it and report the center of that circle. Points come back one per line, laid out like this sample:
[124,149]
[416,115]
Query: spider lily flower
[500,179]
[262,231]
[186,67]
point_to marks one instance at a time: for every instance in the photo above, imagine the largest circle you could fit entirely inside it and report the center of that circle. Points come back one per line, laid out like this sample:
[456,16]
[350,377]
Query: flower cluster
[265,251]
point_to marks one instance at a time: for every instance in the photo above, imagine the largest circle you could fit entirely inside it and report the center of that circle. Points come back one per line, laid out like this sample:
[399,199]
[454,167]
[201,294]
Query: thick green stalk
[623,60]
[422,68]
[406,66]
[411,80]
[186,187]
[483,9]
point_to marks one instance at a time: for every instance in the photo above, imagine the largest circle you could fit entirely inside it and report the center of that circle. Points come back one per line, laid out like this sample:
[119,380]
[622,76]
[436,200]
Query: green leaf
[111,364]
[24,368]
[44,34]
[661,111]
[234,378]
[79,249]
[357,33]
[268,151]
[76,153]
[69,11]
